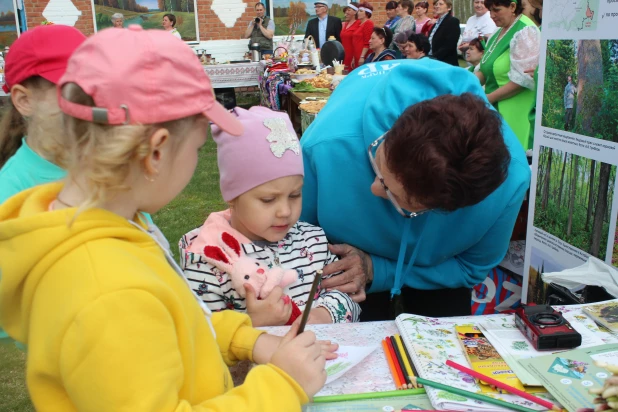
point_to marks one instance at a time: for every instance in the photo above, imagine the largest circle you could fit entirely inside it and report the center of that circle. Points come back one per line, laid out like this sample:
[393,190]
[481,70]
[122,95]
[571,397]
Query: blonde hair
[45,121]
[103,154]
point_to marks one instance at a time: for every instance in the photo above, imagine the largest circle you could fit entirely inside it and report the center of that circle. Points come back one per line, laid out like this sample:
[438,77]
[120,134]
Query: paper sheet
[349,357]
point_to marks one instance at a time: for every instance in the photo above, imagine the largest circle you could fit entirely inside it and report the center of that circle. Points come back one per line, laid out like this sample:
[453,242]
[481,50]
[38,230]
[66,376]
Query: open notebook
[431,342]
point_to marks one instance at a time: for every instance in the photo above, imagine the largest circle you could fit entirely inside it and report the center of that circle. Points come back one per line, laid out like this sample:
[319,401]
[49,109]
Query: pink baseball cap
[138,76]
[267,150]
[42,51]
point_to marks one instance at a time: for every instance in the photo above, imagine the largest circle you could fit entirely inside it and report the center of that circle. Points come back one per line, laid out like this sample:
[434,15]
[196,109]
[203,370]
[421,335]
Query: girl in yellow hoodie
[108,318]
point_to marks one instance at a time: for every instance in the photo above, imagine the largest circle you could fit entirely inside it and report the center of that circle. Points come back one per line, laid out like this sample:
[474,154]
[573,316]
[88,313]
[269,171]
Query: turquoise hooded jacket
[435,250]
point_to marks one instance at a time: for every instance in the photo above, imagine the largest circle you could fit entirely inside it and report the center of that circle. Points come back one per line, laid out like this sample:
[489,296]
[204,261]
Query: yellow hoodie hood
[32,238]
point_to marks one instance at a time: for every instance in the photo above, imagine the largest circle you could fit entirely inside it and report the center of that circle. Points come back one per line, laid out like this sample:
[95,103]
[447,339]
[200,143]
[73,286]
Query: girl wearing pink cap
[261,179]
[107,315]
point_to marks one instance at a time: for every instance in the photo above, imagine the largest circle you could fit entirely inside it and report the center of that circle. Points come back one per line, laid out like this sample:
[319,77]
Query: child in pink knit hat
[261,178]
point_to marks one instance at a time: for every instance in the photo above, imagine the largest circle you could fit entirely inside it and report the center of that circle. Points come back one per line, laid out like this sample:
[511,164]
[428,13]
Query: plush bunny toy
[242,269]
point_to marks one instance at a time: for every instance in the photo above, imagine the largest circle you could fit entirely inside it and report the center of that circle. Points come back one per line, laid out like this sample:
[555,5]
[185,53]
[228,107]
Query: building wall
[210,25]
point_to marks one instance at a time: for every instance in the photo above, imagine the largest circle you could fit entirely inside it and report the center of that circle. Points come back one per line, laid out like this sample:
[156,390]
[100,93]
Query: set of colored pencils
[399,362]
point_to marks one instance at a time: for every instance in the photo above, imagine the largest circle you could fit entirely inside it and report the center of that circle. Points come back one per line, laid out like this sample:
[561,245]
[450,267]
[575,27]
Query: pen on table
[547,404]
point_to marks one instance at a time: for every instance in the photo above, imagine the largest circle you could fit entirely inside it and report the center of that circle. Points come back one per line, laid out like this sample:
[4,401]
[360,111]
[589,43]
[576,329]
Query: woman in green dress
[511,51]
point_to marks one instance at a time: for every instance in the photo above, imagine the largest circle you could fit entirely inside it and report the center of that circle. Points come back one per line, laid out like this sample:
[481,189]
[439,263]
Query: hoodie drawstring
[396,289]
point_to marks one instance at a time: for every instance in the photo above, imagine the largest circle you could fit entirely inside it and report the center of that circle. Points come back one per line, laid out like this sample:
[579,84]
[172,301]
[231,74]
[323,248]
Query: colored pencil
[503,385]
[406,361]
[314,288]
[370,395]
[404,372]
[473,395]
[403,385]
[414,372]
[391,365]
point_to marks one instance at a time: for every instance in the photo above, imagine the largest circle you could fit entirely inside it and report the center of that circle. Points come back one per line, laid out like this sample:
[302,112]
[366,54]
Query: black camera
[546,328]
[257,20]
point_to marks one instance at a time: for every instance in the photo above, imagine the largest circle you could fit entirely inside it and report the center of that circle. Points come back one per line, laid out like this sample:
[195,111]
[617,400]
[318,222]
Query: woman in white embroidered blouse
[511,51]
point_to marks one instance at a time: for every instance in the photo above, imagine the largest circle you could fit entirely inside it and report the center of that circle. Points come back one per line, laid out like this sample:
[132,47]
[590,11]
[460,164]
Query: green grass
[13,393]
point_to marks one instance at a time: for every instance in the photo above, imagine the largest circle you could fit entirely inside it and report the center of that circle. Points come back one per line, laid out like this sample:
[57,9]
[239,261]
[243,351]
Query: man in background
[323,26]
[261,30]
[569,99]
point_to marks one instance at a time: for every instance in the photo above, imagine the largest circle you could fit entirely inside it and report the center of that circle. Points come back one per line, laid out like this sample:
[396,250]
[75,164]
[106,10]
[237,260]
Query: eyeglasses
[371,152]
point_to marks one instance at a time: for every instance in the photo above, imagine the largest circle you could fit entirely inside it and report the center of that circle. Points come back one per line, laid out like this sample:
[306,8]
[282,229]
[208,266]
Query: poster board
[149,14]
[9,23]
[301,11]
[573,202]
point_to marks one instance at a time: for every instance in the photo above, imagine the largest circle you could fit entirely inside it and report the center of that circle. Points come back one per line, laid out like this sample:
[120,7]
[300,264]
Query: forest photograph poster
[581,87]
[8,23]
[149,14]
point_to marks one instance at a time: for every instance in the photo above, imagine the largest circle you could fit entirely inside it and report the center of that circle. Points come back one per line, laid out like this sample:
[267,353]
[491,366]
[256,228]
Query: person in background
[363,34]
[323,26]
[401,41]
[348,28]
[391,14]
[380,38]
[417,46]
[416,153]
[511,54]
[569,99]
[169,25]
[263,191]
[261,30]
[117,20]
[478,25]
[474,54]
[421,18]
[405,24]
[31,129]
[105,305]
[445,33]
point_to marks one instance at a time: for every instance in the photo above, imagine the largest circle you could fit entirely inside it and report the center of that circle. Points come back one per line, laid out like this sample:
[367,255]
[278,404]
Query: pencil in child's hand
[391,365]
[402,366]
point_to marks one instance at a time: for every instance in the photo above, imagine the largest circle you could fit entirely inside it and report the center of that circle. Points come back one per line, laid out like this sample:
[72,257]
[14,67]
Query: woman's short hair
[402,36]
[476,43]
[407,4]
[391,5]
[117,16]
[449,3]
[420,41]
[384,33]
[519,8]
[171,18]
[368,7]
[422,4]
[448,152]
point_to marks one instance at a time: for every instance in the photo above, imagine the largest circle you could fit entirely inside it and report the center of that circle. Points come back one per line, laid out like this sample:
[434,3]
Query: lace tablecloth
[233,75]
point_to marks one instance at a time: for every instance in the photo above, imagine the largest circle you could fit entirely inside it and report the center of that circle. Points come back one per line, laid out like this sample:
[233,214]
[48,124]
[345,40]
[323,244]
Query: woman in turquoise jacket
[432,259]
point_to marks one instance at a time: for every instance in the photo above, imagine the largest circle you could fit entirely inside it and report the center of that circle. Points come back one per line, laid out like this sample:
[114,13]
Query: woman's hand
[272,311]
[356,268]
[530,72]
[504,92]
[361,61]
